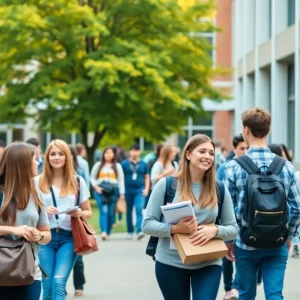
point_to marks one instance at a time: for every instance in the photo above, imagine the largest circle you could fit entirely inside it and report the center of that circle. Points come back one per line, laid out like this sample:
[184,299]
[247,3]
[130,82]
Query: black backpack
[171,185]
[264,218]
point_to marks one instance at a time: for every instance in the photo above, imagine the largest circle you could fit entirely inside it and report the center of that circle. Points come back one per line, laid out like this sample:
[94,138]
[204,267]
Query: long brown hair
[16,172]
[164,155]
[113,162]
[208,196]
[70,185]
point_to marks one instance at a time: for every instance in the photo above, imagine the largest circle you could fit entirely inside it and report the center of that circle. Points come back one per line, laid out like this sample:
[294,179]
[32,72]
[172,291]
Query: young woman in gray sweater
[196,183]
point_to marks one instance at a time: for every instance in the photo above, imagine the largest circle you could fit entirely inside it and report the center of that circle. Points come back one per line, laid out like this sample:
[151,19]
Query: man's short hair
[135,147]
[2,144]
[258,121]
[79,148]
[33,141]
[236,140]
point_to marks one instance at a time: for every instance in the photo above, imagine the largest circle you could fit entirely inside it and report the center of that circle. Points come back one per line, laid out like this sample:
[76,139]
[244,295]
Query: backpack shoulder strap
[247,164]
[277,165]
[171,186]
[221,195]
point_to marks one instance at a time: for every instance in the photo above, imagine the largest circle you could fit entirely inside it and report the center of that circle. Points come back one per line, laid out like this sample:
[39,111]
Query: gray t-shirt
[32,217]
[152,225]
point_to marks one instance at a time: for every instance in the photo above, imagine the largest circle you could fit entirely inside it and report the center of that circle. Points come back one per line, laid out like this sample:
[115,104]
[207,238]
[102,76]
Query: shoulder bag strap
[53,200]
[247,164]
[221,195]
[78,191]
[276,165]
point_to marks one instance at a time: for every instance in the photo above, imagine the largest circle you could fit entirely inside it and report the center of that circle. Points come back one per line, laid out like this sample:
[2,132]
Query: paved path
[121,271]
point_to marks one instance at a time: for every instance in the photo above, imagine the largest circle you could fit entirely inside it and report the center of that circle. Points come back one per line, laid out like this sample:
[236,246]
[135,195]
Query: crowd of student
[35,188]
[116,177]
[258,220]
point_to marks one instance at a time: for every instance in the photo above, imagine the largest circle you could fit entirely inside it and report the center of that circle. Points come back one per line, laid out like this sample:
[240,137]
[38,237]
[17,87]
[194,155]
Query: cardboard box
[190,254]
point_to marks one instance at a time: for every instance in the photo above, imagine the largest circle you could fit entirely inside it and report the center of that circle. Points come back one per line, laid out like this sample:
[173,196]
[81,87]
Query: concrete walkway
[120,270]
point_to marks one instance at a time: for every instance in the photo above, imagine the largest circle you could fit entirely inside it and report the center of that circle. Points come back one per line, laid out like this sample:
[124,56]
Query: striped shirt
[235,180]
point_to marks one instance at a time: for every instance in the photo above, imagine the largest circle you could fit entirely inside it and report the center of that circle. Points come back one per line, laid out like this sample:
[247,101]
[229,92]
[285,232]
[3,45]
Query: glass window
[182,139]
[207,132]
[291,12]
[148,146]
[65,137]
[208,39]
[291,108]
[203,120]
[18,134]
[3,136]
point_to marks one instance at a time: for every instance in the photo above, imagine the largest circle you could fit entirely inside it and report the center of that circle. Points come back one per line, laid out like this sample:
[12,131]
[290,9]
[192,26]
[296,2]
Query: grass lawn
[94,221]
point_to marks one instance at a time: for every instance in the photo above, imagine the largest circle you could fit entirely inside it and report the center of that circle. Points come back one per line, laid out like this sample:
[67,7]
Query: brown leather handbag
[84,237]
[17,266]
[85,241]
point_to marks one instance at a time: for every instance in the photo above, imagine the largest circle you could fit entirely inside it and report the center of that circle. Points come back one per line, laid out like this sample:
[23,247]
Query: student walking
[22,214]
[60,188]
[165,164]
[107,179]
[78,269]
[230,284]
[265,227]
[196,182]
[137,184]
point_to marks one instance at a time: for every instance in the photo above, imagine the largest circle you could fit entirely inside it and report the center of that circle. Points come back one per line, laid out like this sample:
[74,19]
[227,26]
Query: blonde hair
[208,196]
[16,173]
[164,155]
[70,185]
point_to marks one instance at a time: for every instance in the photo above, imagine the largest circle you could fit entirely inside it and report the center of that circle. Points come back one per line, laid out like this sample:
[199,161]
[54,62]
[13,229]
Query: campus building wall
[266,61]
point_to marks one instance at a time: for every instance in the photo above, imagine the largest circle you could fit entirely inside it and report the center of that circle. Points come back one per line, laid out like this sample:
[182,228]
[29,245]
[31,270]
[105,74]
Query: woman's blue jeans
[107,211]
[57,259]
[176,283]
[26,292]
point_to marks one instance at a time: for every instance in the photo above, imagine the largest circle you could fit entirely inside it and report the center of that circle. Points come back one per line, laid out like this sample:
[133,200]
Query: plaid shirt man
[235,180]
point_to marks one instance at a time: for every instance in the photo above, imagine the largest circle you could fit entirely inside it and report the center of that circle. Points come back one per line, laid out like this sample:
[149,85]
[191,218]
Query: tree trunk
[97,139]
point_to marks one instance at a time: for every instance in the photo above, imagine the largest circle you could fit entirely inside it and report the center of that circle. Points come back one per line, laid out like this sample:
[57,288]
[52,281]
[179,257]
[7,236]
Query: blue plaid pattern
[235,180]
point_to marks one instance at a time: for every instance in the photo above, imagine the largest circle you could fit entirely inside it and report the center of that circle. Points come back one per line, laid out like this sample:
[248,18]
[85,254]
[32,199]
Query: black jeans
[26,292]
[78,274]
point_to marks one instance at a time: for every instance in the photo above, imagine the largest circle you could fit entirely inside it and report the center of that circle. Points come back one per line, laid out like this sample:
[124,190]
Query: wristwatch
[42,236]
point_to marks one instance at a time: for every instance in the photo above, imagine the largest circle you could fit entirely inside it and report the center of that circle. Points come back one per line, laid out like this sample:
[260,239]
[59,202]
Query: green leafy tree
[100,65]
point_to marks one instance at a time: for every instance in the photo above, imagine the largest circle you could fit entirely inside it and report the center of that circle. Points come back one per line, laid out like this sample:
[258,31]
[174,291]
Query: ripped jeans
[57,259]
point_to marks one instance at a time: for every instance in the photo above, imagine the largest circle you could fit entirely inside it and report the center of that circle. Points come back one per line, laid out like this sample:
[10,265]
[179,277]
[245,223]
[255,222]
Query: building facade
[266,49]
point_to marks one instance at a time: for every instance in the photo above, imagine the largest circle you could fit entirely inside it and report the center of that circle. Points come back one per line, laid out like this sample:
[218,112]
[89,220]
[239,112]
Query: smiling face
[57,157]
[202,157]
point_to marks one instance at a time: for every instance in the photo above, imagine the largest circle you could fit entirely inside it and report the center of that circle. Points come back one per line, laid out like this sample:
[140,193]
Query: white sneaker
[129,236]
[140,236]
